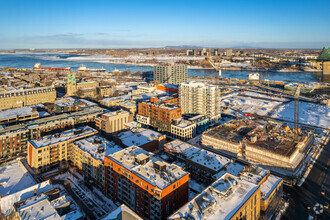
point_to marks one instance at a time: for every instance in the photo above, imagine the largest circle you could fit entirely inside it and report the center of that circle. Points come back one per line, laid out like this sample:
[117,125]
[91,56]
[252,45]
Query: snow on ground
[14,177]
[249,104]
[309,113]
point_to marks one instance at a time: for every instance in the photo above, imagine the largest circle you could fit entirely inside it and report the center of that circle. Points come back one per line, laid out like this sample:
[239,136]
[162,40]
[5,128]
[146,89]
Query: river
[27,60]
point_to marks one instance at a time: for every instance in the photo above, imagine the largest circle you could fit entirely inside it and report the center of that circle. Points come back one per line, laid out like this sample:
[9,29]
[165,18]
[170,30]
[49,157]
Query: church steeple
[73,78]
[69,77]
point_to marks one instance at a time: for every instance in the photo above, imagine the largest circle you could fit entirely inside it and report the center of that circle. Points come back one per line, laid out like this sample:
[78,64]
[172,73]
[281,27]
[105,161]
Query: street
[310,192]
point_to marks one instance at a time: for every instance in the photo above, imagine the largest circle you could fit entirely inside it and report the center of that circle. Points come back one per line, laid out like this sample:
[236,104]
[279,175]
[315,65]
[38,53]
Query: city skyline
[146,24]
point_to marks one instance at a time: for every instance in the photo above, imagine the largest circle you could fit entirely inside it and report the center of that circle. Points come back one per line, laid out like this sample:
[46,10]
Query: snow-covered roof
[138,136]
[27,110]
[232,168]
[128,158]
[7,202]
[38,207]
[182,123]
[122,212]
[199,156]
[269,185]
[10,183]
[63,136]
[177,146]
[97,146]
[69,101]
[221,200]
[206,158]
[253,174]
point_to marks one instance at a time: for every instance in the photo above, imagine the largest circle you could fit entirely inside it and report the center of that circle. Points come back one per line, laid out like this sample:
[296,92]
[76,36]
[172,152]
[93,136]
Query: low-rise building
[262,143]
[146,88]
[227,198]
[122,212]
[112,122]
[271,188]
[7,203]
[152,188]
[53,150]
[128,105]
[49,204]
[201,121]
[69,104]
[201,164]
[26,97]
[14,139]
[145,138]
[183,129]
[18,115]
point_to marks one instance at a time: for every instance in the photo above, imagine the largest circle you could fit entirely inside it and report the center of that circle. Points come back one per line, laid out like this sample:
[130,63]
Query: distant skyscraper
[229,52]
[173,74]
[198,98]
[203,52]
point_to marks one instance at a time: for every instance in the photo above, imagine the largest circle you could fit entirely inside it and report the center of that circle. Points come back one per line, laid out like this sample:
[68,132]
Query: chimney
[35,192]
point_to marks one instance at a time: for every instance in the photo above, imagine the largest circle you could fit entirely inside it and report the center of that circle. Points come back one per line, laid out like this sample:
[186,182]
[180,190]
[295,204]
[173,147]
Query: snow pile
[309,113]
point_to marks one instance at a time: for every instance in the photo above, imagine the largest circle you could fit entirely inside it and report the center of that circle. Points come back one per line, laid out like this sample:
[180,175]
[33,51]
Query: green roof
[325,54]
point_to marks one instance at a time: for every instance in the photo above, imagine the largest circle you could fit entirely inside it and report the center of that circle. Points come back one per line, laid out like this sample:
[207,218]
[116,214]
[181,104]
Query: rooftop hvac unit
[97,141]
[100,149]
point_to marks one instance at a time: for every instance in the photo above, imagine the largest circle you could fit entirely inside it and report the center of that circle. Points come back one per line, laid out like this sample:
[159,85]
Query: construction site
[271,145]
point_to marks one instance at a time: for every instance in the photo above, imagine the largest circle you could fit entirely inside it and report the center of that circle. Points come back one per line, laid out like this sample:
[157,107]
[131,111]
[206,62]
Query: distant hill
[183,47]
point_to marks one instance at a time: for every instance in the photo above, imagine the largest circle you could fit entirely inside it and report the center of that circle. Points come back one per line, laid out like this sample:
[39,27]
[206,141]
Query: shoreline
[224,68]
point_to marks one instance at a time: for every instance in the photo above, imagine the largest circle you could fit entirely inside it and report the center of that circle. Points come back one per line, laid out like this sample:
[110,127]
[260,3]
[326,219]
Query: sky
[142,24]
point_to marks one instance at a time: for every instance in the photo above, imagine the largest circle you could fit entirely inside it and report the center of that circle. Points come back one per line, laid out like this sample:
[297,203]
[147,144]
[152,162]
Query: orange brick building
[158,115]
[152,188]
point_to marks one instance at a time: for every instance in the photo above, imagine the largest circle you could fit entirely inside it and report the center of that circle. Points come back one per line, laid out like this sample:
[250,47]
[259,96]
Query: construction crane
[296,108]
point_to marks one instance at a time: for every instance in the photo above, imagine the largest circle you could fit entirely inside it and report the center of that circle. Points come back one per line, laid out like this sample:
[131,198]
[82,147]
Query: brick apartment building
[152,188]
[158,115]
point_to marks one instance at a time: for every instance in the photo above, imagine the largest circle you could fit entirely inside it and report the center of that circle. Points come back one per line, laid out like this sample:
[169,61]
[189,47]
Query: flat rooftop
[221,200]
[177,146]
[129,158]
[10,183]
[7,202]
[197,155]
[271,136]
[207,159]
[23,111]
[253,174]
[138,136]
[267,187]
[97,146]
[72,134]
[69,101]
[181,123]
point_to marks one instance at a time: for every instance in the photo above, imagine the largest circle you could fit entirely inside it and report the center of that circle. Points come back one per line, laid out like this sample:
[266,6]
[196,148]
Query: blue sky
[139,23]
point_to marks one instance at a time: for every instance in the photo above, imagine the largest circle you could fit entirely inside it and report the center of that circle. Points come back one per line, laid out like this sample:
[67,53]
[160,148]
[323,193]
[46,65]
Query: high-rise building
[173,74]
[198,98]
[229,52]
[152,188]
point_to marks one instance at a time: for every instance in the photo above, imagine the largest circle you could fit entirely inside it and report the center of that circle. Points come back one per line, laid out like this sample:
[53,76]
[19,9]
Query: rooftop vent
[97,141]
[100,150]
[160,166]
